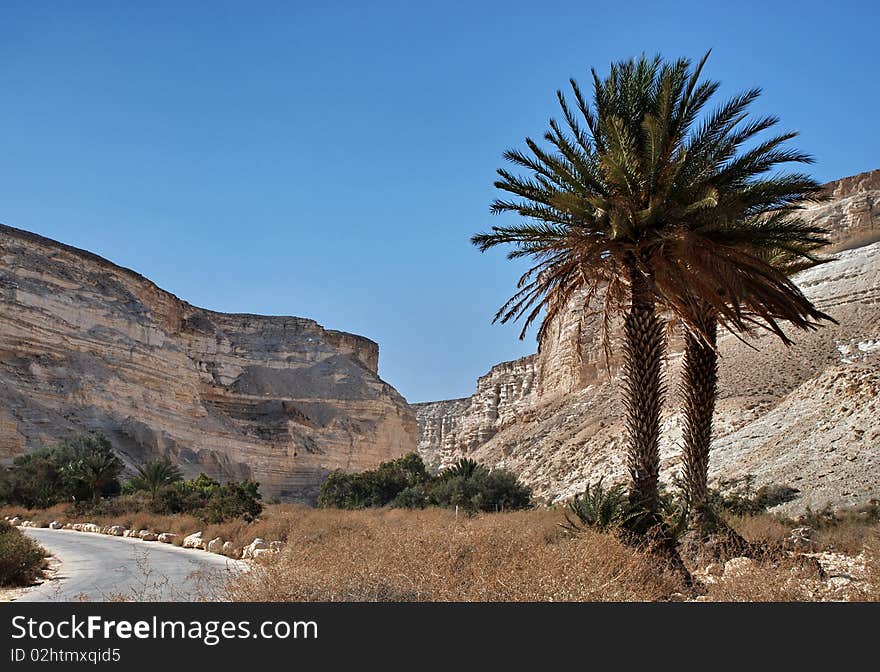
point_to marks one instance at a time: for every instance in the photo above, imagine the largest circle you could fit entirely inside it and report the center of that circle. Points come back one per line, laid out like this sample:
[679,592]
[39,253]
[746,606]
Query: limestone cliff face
[805,415]
[85,344]
[451,428]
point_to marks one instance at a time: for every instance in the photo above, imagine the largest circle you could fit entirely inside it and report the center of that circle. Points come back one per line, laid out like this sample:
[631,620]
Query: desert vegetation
[571,552]
[80,469]
[82,476]
[657,210]
[432,554]
[405,483]
[21,558]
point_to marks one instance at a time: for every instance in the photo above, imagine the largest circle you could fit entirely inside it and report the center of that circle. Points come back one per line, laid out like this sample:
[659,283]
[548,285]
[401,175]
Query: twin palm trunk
[644,343]
[699,387]
[644,346]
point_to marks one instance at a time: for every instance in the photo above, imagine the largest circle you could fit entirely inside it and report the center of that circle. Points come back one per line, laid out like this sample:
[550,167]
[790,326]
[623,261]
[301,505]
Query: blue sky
[330,160]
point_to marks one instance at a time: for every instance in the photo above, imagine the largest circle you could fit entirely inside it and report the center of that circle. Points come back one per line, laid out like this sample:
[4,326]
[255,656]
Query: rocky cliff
[806,416]
[87,345]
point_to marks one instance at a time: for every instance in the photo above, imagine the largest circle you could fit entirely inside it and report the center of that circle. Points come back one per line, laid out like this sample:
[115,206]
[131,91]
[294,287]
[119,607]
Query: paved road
[97,567]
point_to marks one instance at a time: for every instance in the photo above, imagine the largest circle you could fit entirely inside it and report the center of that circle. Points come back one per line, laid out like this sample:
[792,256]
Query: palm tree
[633,201]
[155,475]
[464,468]
[95,465]
[775,235]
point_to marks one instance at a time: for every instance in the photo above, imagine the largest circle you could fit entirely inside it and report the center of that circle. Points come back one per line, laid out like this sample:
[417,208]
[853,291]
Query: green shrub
[208,500]
[480,490]
[413,497]
[345,491]
[21,558]
[405,483]
[600,508]
[153,476]
[81,467]
[379,487]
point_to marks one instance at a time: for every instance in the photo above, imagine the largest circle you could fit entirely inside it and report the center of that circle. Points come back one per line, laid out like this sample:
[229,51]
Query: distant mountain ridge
[86,345]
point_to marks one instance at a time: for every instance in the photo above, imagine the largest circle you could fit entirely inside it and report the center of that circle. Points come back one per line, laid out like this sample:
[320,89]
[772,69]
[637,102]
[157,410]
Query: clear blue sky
[331,159]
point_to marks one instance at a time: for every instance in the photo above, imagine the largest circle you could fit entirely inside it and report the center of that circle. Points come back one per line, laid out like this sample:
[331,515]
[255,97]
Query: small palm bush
[464,468]
[153,476]
[600,508]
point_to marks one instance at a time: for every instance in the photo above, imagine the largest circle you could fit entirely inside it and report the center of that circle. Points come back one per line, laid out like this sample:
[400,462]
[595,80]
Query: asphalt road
[97,568]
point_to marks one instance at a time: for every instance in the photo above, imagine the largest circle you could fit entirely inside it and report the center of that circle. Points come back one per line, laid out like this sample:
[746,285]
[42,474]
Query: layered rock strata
[88,345]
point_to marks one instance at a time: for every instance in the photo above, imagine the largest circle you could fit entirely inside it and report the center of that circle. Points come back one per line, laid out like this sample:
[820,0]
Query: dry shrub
[844,534]
[872,569]
[848,536]
[21,558]
[765,529]
[396,555]
[782,580]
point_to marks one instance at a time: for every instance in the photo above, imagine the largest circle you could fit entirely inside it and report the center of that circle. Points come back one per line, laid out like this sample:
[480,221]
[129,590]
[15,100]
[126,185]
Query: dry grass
[872,570]
[782,579]
[392,555]
[763,529]
[848,532]
[399,555]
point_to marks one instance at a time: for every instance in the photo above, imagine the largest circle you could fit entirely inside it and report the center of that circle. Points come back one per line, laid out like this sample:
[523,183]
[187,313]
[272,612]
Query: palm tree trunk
[643,396]
[699,388]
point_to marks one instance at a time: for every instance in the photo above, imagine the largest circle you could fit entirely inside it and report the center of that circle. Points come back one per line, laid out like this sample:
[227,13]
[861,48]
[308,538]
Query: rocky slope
[806,416]
[86,345]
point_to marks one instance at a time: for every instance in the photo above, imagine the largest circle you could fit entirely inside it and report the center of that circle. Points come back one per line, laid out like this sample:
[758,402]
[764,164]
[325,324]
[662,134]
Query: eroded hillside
[88,345]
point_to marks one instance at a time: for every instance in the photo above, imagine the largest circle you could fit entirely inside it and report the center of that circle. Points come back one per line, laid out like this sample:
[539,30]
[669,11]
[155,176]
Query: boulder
[256,545]
[230,550]
[276,546]
[800,539]
[710,574]
[15,520]
[146,535]
[68,526]
[736,567]
[258,552]
[116,530]
[167,538]
[215,545]
[55,525]
[194,541]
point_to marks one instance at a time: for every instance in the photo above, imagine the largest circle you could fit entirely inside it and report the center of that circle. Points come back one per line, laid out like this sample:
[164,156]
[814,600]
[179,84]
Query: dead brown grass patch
[395,555]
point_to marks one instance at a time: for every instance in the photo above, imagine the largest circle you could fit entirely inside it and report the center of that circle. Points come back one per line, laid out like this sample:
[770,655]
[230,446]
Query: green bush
[480,490]
[153,476]
[379,487]
[413,497]
[405,483]
[21,558]
[82,467]
[208,500]
[600,508]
